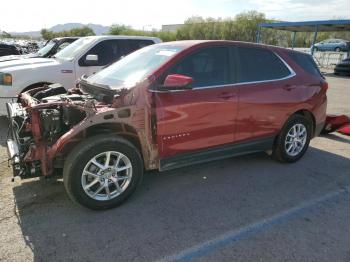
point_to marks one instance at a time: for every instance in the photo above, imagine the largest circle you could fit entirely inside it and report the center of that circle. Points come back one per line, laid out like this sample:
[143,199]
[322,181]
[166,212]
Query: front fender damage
[112,116]
[45,132]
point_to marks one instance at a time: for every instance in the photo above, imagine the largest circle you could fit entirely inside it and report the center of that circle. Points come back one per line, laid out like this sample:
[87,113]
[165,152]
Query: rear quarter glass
[306,62]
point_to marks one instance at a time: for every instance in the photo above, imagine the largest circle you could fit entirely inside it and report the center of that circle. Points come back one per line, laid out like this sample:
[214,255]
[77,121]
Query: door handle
[288,87]
[227,95]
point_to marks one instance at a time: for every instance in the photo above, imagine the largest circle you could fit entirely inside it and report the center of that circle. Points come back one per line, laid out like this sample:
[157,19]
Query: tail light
[324,85]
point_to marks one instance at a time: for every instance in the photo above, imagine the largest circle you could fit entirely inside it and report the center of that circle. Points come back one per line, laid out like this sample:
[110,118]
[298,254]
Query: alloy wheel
[295,140]
[106,175]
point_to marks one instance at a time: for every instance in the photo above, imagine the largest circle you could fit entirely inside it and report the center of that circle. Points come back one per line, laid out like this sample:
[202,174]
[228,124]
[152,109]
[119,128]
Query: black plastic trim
[216,153]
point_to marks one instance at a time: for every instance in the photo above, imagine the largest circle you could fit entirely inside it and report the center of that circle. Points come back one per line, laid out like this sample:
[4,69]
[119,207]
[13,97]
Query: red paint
[177,81]
[337,123]
[345,130]
[190,120]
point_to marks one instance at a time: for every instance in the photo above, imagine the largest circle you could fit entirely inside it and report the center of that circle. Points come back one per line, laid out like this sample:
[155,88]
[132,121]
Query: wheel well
[35,85]
[309,116]
[124,130]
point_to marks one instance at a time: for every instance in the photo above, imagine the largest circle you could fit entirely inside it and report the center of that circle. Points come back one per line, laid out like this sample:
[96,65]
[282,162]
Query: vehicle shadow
[338,138]
[173,210]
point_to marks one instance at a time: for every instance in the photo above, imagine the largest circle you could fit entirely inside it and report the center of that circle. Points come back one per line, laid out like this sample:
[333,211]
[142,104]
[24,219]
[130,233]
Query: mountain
[98,29]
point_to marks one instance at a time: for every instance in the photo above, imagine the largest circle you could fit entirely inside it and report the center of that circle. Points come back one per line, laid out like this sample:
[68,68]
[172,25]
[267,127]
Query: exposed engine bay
[43,115]
[47,122]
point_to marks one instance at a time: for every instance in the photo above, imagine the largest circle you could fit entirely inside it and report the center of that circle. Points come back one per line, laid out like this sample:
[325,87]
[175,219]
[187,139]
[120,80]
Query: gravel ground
[248,208]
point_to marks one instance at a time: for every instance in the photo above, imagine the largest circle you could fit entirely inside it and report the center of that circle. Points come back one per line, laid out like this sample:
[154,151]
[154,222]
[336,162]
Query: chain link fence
[325,59]
[329,59]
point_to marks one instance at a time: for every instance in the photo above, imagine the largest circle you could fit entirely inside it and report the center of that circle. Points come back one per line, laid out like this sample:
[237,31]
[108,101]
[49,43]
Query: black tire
[280,151]
[337,49]
[83,153]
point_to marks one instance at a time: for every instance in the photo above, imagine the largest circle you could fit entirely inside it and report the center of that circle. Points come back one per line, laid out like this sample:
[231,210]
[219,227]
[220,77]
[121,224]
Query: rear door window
[257,64]
[137,44]
[208,67]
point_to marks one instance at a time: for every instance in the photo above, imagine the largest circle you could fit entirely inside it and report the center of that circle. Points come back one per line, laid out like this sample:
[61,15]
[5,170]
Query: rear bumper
[344,70]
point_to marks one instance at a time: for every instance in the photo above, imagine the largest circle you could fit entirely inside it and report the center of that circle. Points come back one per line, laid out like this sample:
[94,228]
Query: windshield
[43,51]
[135,67]
[70,52]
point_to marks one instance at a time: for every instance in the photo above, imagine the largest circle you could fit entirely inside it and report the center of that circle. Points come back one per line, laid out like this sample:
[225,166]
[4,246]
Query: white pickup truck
[83,57]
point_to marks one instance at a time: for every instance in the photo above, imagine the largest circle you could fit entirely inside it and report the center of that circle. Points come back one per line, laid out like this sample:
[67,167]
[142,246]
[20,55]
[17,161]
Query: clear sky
[32,15]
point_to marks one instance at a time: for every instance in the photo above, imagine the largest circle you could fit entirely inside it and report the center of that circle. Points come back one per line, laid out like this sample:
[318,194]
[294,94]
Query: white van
[85,56]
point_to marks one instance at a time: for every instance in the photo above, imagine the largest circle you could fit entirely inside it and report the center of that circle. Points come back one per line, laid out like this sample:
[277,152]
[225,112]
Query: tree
[81,31]
[119,29]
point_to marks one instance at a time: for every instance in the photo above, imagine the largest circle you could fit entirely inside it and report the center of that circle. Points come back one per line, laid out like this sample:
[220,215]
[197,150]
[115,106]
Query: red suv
[166,106]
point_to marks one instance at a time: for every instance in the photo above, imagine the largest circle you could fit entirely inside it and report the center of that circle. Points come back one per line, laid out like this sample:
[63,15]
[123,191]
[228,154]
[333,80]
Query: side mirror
[91,60]
[178,81]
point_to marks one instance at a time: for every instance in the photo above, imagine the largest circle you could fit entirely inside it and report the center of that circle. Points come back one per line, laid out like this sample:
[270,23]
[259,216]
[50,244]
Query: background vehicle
[336,45]
[343,67]
[51,48]
[167,106]
[8,50]
[83,57]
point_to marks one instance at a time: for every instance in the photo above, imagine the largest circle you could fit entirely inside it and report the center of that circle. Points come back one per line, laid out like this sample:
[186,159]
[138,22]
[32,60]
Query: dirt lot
[248,208]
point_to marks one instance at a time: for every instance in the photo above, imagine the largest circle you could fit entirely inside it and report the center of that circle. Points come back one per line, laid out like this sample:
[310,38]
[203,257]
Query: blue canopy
[309,26]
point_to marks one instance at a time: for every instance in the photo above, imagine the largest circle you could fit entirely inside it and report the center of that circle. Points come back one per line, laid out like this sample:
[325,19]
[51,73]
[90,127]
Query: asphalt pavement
[247,208]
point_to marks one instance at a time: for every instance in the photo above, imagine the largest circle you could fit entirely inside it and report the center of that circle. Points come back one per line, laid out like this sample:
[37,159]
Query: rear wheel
[294,139]
[102,172]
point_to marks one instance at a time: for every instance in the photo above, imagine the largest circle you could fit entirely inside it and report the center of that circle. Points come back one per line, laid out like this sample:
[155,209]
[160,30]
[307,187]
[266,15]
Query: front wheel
[102,172]
[293,140]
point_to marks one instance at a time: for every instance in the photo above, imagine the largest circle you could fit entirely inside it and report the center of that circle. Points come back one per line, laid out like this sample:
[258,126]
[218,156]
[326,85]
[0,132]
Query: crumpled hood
[12,65]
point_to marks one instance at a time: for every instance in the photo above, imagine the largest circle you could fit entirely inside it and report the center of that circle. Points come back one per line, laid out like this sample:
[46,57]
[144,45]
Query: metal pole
[314,41]
[258,36]
[293,41]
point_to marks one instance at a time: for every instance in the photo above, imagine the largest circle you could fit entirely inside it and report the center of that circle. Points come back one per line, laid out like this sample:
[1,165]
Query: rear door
[265,93]
[203,117]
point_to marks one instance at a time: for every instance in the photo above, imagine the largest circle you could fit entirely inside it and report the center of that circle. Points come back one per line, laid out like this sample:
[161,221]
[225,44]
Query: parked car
[51,48]
[336,45]
[83,57]
[166,106]
[343,67]
[6,49]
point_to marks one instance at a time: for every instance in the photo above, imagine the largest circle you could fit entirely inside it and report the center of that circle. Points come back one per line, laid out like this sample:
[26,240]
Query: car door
[204,116]
[324,45]
[265,93]
[108,51]
[330,45]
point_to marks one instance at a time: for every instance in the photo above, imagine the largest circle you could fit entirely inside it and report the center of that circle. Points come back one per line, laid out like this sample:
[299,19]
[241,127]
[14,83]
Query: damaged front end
[47,122]
[37,121]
